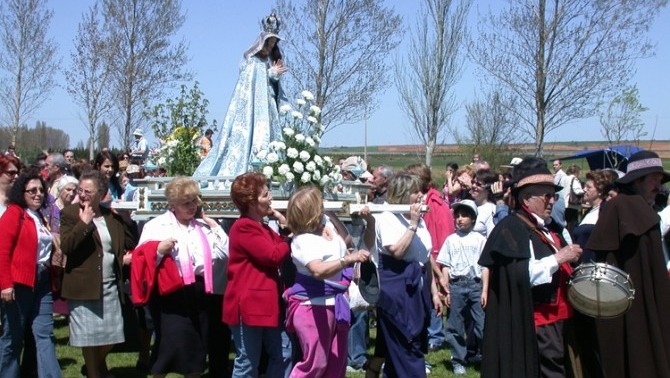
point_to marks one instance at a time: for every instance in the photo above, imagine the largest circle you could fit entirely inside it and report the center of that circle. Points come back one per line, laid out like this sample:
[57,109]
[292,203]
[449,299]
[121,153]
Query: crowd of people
[491,253]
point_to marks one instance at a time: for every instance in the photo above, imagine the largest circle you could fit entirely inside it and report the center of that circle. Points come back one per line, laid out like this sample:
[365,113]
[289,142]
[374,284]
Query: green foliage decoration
[178,123]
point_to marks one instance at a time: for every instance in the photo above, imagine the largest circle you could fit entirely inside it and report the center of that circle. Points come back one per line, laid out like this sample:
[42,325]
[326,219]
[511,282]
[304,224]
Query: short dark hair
[98,178]
[209,132]
[16,193]
[465,211]
[245,190]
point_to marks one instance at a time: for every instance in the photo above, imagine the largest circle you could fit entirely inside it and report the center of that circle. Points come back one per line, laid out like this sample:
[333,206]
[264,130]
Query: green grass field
[122,363]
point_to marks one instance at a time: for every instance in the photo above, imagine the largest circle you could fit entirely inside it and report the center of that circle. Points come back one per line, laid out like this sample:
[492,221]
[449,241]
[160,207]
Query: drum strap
[551,241]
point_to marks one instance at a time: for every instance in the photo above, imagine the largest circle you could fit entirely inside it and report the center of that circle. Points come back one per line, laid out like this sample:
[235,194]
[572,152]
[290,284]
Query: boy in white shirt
[465,282]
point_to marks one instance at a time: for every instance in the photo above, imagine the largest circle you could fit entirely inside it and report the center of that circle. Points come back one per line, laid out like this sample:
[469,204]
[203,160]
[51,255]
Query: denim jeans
[30,307]
[436,334]
[290,350]
[248,342]
[465,301]
[357,341]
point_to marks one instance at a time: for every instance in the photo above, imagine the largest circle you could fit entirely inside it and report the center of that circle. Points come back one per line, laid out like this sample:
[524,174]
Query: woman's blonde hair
[305,210]
[401,187]
[182,189]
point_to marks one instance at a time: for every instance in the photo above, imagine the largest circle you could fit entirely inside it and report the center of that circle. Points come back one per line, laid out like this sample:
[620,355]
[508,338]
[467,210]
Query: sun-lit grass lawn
[122,363]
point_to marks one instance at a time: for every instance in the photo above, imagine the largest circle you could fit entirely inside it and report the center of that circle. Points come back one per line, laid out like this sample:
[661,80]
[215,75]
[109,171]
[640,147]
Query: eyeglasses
[480,184]
[34,191]
[12,172]
[548,196]
[88,193]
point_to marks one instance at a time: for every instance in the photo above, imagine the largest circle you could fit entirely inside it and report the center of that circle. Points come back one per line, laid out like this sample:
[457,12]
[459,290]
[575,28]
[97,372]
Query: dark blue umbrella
[615,157]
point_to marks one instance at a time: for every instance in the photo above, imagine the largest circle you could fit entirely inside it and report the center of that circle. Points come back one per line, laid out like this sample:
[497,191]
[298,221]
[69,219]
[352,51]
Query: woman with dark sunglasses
[9,169]
[25,284]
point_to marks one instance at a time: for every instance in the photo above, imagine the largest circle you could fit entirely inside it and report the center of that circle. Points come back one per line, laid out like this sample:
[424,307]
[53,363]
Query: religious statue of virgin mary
[251,121]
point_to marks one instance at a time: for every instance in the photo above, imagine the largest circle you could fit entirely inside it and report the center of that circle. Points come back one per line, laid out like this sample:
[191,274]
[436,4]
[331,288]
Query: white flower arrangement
[295,158]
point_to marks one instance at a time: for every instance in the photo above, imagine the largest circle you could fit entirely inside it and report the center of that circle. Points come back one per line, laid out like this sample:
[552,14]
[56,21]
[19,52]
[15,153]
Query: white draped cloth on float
[252,119]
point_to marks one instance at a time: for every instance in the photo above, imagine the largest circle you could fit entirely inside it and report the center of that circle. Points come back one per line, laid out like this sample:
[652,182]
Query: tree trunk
[430,148]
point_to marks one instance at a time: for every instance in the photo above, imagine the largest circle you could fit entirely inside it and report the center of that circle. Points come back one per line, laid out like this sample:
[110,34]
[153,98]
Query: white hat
[138,132]
[133,168]
[353,162]
[515,161]
[469,204]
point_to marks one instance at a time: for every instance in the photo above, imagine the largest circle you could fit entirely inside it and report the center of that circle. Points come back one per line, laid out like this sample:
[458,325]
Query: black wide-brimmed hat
[641,164]
[534,176]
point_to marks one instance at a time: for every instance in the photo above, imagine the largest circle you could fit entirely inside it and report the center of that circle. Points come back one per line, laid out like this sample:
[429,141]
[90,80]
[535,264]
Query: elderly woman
[190,249]
[25,250]
[403,243]
[318,311]
[251,300]
[94,239]
[66,191]
[9,169]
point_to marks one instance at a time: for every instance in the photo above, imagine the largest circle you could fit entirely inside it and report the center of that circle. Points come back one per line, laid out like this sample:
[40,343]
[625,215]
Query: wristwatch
[411,228]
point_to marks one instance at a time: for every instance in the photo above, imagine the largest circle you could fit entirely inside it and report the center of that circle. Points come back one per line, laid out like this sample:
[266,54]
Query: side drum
[600,290]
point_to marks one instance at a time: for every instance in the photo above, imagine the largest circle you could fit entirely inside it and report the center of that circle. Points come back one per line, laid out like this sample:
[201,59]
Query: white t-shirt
[306,248]
[460,252]
[390,227]
[484,222]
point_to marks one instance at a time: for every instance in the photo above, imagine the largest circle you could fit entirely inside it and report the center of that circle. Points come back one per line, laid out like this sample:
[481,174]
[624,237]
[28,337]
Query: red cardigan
[439,220]
[145,274]
[17,226]
[255,254]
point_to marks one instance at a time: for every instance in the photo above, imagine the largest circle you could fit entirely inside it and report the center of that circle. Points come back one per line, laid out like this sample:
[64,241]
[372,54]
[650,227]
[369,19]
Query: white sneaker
[458,368]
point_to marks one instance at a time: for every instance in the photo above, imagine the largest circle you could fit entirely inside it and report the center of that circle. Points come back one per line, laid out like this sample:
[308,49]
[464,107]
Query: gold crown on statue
[271,23]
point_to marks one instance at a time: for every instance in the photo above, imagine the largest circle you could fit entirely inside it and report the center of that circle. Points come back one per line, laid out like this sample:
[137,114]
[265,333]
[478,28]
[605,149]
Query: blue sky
[219,31]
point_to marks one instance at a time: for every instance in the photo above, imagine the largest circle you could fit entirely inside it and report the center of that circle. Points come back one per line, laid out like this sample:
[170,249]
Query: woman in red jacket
[251,300]
[25,252]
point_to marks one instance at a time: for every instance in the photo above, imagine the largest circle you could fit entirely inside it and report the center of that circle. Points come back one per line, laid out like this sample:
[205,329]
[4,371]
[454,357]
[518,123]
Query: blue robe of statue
[251,122]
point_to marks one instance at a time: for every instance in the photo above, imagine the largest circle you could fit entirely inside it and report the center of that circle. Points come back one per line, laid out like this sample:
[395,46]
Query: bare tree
[426,78]
[89,73]
[559,57]
[620,119]
[338,49]
[145,59]
[29,60]
[492,128]
[103,136]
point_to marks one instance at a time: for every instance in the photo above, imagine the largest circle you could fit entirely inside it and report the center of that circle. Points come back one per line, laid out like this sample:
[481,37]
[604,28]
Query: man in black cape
[628,236]
[528,260]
